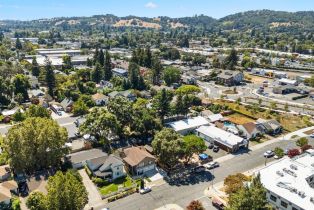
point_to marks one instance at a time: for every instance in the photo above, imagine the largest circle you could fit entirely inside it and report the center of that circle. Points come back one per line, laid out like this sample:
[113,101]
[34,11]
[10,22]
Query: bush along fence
[121,193]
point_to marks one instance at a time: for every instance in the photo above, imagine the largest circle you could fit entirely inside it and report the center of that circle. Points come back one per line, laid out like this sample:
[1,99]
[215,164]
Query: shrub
[293,152]
[100,182]
[279,152]
[302,141]
[306,147]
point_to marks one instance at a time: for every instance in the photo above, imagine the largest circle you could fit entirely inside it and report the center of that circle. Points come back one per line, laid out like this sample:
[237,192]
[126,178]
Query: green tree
[101,58]
[108,66]
[302,141]
[157,70]
[35,139]
[37,111]
[273,105]
[36,201]
[172,75]
[279,152]
[35,67]
[188,89]
[18,116]
[66,191]
[168,147]
[134,72]
[231,60]
[66,62]
[18,44]
[121,107]
[80,108]
[97,73]
[21,85]
[101,124]
[148,57]
[193,145]
[161,103]
[50,78]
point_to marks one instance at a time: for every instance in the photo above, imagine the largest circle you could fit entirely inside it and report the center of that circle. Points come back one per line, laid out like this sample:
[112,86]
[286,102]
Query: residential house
[100,99]
[206,113]
[127,94]
[222,138]
[138,161]
[7,114]
[106,167]
[188,125]
[145,94]
[215,117]
[6,190]
[249,130]
[4,172]
[271,126]
[230,78]
[78,159]
[67,104]
[120,72]
[36,93]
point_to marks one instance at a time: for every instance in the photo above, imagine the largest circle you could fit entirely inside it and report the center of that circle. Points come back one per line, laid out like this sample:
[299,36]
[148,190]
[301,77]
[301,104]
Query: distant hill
[260,19]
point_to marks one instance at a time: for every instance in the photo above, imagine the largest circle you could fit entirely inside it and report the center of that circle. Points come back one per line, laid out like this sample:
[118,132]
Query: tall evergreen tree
[161,103]
[97,73]
[231,60]
[96,56]
[156,70]
[50,78]
[35,67]
[108,66]
[18,44]
[134,72]
[148,57]
[101,57]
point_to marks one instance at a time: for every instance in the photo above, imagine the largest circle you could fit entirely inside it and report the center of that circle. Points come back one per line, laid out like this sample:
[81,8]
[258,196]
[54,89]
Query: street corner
[170,207]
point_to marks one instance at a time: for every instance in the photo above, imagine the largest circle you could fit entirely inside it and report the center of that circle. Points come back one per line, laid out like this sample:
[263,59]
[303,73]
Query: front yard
[125,182]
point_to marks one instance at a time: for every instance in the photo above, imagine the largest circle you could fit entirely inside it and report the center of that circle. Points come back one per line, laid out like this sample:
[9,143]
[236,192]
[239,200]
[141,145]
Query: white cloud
[151,5]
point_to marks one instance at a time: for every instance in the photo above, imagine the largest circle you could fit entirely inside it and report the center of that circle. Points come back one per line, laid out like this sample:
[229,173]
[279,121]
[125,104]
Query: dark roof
[83,156]
[66,102]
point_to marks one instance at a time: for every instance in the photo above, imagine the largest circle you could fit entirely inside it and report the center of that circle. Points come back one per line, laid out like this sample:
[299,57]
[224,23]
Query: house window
[117,173]
[294,208]
[273,198]
[283,204]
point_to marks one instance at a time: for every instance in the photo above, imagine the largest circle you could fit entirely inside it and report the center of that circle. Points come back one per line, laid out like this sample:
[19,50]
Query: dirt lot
[239,119]
[257,80]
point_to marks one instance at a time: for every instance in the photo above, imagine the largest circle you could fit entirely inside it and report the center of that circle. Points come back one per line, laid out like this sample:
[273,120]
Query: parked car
[218,204]
[215,148]
[212,165]
[145,190]
[198,169]
[269,153]
[211,146]
[312,135]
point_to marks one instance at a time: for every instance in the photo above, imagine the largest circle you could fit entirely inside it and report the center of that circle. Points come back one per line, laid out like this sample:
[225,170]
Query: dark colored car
[216,148]
[218,204]
[199,169]
[211,146]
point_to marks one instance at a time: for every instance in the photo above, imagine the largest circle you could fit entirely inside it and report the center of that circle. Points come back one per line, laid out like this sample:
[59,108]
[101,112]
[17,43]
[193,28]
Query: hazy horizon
[36,9]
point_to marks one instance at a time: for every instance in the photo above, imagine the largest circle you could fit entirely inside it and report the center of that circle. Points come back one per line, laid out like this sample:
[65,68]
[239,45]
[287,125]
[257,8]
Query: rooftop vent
[301,194]
[294,167]
[279,173]
[312,199]
[289,172]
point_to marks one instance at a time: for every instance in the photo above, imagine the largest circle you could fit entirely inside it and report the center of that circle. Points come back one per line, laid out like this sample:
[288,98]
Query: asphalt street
[183,194]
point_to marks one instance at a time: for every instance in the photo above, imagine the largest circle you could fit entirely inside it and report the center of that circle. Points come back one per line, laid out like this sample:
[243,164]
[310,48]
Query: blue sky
[34,9]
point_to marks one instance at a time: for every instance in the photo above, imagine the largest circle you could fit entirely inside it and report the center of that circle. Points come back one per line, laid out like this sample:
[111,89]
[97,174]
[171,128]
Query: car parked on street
[215,148]
[211,146]
[211,165]
[269,154]
[145,190]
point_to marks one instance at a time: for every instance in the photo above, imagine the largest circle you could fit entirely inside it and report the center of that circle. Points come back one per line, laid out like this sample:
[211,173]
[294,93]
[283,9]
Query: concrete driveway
[94,198]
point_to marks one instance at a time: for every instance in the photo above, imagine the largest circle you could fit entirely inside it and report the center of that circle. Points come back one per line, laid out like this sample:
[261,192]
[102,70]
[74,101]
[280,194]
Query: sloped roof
[10,185]
[135,155]
[249,127]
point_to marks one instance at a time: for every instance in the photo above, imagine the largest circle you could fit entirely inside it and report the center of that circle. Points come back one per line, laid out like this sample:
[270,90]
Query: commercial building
[290,182]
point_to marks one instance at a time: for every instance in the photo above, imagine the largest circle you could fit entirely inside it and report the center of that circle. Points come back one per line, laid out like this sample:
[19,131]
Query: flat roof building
[188,125]
[290,182]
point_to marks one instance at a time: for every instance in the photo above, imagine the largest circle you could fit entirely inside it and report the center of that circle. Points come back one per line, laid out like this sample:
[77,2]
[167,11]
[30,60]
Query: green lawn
[113,187]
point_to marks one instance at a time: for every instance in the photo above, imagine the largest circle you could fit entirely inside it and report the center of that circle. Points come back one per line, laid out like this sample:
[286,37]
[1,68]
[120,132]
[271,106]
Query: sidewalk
[170,207]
